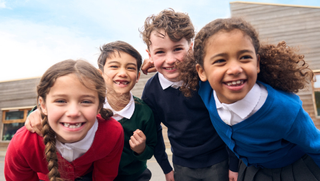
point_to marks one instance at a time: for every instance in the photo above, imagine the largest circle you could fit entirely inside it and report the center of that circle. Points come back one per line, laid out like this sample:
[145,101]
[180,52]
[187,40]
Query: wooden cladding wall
[297,25]
[17,93]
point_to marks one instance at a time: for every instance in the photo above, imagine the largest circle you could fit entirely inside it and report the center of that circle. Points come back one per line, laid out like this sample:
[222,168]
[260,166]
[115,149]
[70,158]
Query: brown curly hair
[85,72]
[176,25]
[280,65]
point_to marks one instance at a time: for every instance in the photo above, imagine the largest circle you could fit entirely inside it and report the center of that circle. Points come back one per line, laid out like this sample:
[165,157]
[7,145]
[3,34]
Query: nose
[122,72]
[170,59]
[234,68]
[73,110]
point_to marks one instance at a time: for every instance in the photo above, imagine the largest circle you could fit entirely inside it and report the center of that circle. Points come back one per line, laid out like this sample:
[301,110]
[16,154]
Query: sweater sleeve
[15,166]
[304,133]
[233,160]
[106,169]
[150,133]
[160,149]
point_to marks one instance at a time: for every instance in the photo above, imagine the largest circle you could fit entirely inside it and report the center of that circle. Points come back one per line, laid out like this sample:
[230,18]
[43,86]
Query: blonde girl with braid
[76,144]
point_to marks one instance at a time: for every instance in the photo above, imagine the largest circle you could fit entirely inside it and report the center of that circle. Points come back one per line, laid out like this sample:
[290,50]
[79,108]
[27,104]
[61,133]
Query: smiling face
[230,65]
[165,53]
[71,108]
[120,73]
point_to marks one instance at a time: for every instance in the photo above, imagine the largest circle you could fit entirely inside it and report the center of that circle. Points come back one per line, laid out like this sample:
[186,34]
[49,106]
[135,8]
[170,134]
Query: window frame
[316,72]
[4,121]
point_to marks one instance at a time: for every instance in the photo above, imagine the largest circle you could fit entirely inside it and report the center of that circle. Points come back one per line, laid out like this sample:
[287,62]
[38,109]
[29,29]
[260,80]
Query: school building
[297,25]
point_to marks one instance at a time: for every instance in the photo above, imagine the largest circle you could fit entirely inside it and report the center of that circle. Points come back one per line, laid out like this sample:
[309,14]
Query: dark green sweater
[131,164]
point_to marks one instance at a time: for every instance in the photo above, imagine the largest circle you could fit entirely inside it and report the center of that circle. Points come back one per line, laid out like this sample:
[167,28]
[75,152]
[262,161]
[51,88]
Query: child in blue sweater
[248,89]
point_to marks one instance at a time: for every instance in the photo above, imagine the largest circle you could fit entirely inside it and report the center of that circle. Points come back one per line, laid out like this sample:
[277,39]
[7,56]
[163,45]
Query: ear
[42,105]
[138,77]
[150,59]
[201,73]
[100,71]
[258,63]
[191,45]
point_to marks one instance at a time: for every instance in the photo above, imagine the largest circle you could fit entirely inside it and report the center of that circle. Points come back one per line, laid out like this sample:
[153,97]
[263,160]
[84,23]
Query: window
[316,90]
[13,119]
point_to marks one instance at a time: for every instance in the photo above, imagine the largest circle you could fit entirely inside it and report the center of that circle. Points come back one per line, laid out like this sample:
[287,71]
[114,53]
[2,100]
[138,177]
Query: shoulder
[141,110]
[109,125]
[283,98]
[152,81]
[25,139]
[141,105]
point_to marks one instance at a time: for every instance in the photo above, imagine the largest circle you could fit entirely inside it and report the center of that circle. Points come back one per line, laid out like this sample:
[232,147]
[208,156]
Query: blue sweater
[194,141]
[277,135]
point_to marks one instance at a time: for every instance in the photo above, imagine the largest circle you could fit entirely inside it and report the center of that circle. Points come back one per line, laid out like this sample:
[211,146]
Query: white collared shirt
[72,151]
[126,112]
[165,83]
[236,112]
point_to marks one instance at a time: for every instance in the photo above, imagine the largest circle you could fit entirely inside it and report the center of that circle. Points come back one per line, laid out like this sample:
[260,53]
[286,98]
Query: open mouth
[235,83]
[121,82]
[169,68]
[72,126]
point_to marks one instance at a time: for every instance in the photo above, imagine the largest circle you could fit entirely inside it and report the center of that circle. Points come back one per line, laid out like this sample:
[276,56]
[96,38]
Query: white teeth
[72,126]
[124,83]
[239,82]
[170,68]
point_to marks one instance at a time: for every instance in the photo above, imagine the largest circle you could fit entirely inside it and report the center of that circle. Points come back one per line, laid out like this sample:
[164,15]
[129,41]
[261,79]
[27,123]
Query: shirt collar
[71,151]
[126,112]
[165,83]
[244,106]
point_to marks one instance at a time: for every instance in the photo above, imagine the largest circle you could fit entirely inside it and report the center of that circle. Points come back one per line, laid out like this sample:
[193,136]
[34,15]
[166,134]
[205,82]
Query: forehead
[121,57]
[224,37]
[160,39]
[70,82]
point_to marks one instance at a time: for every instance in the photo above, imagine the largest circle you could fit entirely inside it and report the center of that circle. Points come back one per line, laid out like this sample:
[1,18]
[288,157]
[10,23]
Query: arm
[149,131]
[304,133]
[34,122]
[15,166]
[233,165]
[159,150]
[106,169]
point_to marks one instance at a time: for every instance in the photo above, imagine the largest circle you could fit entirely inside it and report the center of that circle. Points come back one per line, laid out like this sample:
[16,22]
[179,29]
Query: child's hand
[34,122]
[148,66]
[138,141]
[233,176]
[170,176]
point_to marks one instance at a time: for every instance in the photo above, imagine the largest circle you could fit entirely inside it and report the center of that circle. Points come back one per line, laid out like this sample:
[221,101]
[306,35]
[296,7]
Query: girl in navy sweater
[249,89]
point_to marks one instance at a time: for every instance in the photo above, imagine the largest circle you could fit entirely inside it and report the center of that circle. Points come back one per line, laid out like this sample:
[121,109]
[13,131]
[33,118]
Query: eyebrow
[64,95]
[224,54]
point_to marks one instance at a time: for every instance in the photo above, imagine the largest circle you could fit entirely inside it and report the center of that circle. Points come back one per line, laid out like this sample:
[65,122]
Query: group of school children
[227,100]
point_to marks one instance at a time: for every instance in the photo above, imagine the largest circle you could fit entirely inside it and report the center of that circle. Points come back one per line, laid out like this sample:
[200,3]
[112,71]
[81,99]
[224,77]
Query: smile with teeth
[169,68]
[235,83]
[72,126]
[121,82]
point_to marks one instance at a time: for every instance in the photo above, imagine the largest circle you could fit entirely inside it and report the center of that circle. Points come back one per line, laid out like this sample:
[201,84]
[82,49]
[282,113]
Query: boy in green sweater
[119,63]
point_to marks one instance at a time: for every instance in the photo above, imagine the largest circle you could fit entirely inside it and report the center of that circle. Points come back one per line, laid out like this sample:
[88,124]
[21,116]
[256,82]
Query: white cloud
[28,49]
[2,4]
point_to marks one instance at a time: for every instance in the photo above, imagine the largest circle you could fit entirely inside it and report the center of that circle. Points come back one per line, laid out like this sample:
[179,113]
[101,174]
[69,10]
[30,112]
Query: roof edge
[19,79]
[272,4]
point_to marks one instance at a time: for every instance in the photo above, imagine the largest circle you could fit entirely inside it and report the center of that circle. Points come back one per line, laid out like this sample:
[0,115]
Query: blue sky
[35,34]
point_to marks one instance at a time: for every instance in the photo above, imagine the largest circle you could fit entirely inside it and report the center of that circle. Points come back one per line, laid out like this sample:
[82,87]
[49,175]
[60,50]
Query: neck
[118,101]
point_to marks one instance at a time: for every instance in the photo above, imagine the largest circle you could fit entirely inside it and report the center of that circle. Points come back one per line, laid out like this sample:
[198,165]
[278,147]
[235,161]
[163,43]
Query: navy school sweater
[194,141]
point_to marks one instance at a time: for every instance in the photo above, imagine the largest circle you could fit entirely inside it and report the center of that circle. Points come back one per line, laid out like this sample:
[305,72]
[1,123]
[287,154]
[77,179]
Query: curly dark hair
[177,25]
[280,65]
[85,72]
